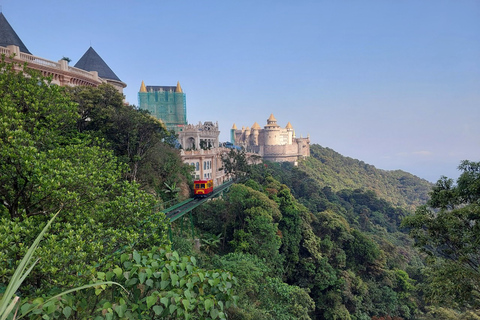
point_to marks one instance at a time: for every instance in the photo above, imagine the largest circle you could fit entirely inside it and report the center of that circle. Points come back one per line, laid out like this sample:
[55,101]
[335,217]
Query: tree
[44,162]
[137,139]
[447,229]
[235,163]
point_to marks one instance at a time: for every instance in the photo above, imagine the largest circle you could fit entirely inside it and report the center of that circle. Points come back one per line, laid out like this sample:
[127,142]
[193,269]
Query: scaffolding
[166,103]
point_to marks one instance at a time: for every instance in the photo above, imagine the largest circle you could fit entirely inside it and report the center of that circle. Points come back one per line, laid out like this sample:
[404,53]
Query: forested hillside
[329,168]
[328,239]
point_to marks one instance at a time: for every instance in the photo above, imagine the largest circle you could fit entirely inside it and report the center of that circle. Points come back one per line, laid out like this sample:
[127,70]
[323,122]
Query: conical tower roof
[8,36]
[91,61]
[142,87]
[272,118]
[178,89]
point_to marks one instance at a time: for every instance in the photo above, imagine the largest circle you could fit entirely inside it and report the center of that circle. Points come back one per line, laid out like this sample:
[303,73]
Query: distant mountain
[330,169]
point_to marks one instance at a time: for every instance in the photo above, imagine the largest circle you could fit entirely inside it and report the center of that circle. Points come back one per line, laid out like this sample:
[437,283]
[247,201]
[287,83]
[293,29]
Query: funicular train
[202,188]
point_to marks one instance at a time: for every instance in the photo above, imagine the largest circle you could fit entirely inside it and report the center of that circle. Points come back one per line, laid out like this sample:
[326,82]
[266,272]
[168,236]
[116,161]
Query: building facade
[200,148]
[90,70]
[166,103]
[273,142]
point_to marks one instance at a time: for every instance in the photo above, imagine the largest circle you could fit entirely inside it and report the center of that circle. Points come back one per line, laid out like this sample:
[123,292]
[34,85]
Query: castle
[273,142]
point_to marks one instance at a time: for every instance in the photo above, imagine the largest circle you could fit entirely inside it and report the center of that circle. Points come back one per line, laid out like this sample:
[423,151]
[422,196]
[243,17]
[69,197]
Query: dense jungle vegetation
[333,238]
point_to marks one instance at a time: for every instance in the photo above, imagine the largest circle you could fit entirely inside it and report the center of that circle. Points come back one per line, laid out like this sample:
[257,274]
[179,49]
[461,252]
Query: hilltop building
[200,148]
[273,142]
[90,70]
[167,103]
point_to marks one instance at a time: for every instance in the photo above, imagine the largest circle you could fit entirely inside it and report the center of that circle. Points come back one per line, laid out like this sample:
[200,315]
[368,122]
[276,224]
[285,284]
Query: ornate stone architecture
[273,142]
[200,136]
[90,70]
[200,148]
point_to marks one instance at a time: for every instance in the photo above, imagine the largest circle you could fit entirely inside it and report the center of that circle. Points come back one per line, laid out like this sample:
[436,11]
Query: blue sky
[392,83]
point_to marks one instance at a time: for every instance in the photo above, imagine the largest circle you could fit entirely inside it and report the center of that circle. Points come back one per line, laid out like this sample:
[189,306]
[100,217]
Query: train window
[202,186]
[197,185]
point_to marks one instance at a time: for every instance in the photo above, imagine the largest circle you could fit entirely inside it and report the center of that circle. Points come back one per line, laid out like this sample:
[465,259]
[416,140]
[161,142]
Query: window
[197,167]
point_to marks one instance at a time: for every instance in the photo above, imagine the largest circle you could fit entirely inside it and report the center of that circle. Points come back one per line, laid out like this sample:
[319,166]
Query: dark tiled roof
[91,61]
[8,36]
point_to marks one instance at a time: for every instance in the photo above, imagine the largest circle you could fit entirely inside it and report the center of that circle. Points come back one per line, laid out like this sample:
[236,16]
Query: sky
[392,83]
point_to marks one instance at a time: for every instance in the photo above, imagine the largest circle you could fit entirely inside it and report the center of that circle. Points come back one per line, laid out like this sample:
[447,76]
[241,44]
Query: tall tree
[448,230]
[44,164]
[137,138]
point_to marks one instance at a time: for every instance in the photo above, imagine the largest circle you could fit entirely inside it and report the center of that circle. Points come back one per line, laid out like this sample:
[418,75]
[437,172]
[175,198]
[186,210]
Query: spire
[256,126]
[91,61]
[272,118]
[179,88]
[272,122]
[142,87]
[289,125]
[234,127]
[8,36]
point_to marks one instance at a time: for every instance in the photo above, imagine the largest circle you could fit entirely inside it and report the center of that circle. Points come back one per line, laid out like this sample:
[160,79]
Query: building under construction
[167,103]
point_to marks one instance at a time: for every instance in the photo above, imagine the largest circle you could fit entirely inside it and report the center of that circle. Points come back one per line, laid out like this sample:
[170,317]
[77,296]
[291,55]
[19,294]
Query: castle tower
[272,131]
[255,133]
[232,133]
[290,133]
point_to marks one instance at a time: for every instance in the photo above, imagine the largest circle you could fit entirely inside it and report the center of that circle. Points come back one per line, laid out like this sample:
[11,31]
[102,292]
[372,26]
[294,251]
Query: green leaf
[174,278]
[136,256]
[149,282]
[142,276]
[208,304]
[120,310]
[158,310]
[151,300]
[118,271]
[165,301]
[214,313]
[67,311]
[164,284]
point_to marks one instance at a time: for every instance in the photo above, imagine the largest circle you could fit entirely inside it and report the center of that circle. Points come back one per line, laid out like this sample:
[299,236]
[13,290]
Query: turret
[272,131]
[232,133]
[255,132]
[290,133]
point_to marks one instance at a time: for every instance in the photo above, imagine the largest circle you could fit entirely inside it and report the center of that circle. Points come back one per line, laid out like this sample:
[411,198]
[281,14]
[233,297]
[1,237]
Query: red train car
[202,188]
